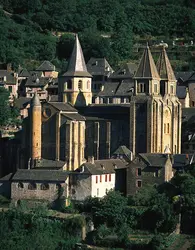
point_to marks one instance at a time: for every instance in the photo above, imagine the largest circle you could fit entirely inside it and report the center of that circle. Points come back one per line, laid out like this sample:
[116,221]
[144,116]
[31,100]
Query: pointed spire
[164,67]
[77,66]
[147,68]
[35,101]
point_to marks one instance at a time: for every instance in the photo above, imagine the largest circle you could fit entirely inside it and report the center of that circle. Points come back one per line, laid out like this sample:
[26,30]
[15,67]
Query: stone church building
[75,129]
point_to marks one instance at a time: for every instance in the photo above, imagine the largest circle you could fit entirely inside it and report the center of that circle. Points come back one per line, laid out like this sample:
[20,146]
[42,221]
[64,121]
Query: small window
[193,103]
[20,185]
[156,173]
[58,186]
[139,184]
[39,94]
[32,186]
[141,88]
[88,84]
[10,89]
[139,171]
[110,177]
[168,128]
[106,178]
[172,89]
[110,100]
[165,130]
[69,84]
[80,83]
[155,88]
[96,179]
[44,186]
[100,178]
[122,99]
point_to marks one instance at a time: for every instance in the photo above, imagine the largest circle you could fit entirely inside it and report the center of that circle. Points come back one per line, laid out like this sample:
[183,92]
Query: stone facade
[140,173]
[23,191]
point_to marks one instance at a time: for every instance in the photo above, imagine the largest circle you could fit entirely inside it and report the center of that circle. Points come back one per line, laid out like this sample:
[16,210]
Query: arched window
[80,83]
[88,84]
[20,185]
[32,186]
[44,186]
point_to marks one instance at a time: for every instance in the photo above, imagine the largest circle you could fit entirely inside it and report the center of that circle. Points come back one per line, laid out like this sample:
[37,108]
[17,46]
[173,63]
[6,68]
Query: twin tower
[155,111]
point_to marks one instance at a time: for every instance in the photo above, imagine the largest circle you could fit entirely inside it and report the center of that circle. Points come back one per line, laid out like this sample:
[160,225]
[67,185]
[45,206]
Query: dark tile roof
[147,68]
[22,102]
[35,81]
[76,117]
[6,177]
[191,78]
[123,88]
[10,76]
[24,73]
[181,160]
[76,65]
[126,71]
[46,163]
[104,166]
[181,91]
[187,113]
[184,76]
[122,150]
[46,66]
[40,175]
[155,160]
[99,66]
[164,67]
[63,106]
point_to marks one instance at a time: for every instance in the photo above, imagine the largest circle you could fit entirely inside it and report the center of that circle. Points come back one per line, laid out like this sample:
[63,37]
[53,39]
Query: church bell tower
[75,84]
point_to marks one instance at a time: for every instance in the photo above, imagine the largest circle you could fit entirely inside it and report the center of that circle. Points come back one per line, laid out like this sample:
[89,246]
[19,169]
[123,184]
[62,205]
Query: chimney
[102,166]
[82,169]
[90,159]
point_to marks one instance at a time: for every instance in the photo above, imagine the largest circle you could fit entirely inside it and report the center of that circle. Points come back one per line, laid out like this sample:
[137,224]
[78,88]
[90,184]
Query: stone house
[9,80]
[30,184]
[148,169]
[94,178]
[48,69]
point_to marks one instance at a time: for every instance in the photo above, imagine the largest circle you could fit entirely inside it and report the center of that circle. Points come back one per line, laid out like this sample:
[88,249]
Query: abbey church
[74,129]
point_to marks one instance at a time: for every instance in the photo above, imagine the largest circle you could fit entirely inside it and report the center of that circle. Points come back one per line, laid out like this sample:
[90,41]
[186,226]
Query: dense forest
[30,28]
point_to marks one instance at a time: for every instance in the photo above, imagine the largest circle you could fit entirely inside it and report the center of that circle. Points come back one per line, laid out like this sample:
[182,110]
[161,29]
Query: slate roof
[63,106]
[191,78]
[187,113]
[180,160]
[76,117]
[184,76]
[164,67]
[53,98]
[154,160]
[35,81]
[10,78]
[40,175]
[46,66]
[147,68]
[49,164]
[24,73]
[99,66]
[6,177]
[22,102]
[77,66]
[123,88]
[104,166]
[122,150]
[181,91]
[127,71]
